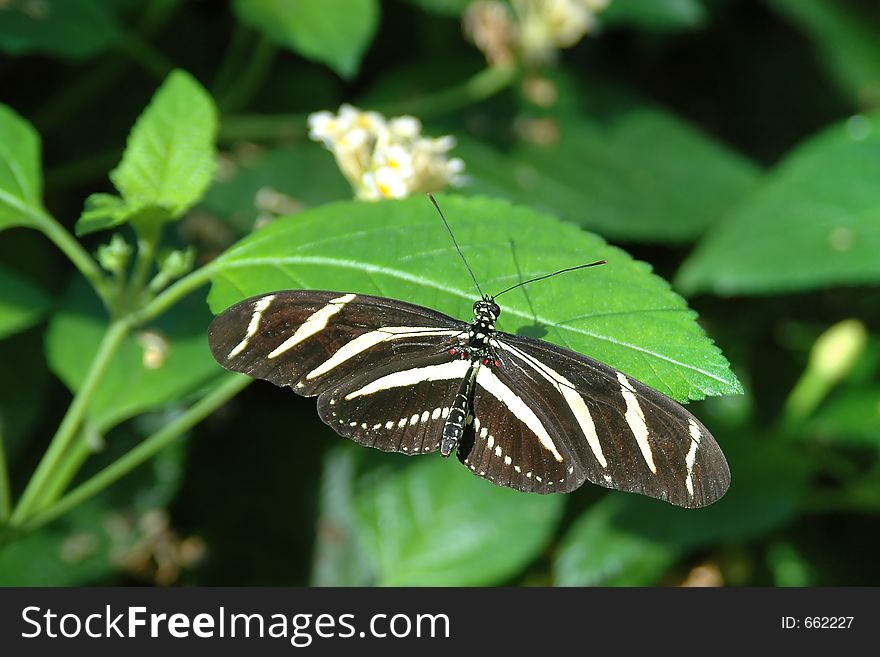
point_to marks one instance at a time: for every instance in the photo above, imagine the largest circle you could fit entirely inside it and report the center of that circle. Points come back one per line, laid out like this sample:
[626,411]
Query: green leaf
[22,304]
[55,27]
[595,552]
[625,534]
[660,15]
[155,366]
[20,176]
[641,175]
[287,175]
[333,32]
[814,223]
[846,39]
[435,524]
[339,559]
[168,163]
[620,314]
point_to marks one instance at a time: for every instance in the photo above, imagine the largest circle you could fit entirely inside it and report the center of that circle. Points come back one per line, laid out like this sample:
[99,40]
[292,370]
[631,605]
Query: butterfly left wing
[381,367]
[312,340]
[546,419]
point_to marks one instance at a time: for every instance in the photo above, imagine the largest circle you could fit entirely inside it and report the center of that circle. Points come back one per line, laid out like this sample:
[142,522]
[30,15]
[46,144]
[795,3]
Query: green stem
[172,295]
[69,427]
[481,86]
[248,82]
[5,490]
[86,265]
[148,236]
[142,453]
[73,460]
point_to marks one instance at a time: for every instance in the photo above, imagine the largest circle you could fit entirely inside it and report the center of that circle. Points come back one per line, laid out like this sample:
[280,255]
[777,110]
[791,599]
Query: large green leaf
[814,223]
[58,27]
[846,39]
[628,539]
[619,313]
[595,552]
[22,303]
[333,32]
[640,175]
[168,162]
[339,559]
[655,15]
[435,524]
[20,176]
[156,365]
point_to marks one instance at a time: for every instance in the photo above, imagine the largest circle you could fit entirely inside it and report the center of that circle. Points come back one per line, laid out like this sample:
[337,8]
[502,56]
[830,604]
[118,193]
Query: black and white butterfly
[517,411]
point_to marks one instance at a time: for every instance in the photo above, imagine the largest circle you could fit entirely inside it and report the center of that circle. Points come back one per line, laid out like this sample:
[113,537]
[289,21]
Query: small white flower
[385,158]
[532,29]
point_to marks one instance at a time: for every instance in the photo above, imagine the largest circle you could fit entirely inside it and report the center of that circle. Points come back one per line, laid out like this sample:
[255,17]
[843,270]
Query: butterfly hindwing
[399,407]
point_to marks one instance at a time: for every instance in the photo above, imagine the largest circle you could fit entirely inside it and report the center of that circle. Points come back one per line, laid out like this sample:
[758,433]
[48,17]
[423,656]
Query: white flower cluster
[532,30]
[385,158]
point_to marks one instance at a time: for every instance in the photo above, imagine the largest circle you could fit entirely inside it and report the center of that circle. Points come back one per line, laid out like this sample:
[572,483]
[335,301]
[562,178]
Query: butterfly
[516,411]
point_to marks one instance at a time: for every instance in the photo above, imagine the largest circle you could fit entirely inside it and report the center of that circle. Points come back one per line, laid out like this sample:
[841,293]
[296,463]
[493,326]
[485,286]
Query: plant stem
[69,427]
[481,86]
[69,466]
[5,490]
[148,237]
[86,265]
[233,384]
[172,295]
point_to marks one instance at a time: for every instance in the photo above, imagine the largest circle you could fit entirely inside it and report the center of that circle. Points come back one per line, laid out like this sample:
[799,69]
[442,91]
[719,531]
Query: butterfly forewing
[312,340]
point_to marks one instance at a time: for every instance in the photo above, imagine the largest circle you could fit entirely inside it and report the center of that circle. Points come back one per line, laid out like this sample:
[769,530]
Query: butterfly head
[486,310]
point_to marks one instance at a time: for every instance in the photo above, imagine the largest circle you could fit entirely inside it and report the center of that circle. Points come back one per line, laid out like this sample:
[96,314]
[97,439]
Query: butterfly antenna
[541,278]
[457,247]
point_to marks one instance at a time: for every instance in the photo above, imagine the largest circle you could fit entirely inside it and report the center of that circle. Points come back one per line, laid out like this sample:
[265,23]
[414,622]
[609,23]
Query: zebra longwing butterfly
[517,411]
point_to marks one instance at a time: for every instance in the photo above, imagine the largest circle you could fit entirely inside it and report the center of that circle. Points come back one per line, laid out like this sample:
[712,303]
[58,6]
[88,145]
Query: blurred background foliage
[732,144]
